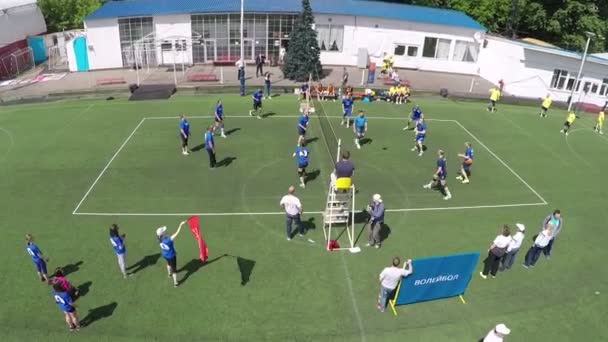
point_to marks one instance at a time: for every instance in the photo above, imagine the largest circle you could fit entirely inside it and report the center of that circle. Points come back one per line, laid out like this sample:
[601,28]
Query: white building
[153,32]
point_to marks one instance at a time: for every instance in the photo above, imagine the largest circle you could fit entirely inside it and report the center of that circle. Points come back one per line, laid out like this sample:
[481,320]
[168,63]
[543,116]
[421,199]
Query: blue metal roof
[132,8]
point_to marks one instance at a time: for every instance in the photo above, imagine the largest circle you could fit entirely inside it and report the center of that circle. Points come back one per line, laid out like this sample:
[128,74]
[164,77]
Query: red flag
[195,229]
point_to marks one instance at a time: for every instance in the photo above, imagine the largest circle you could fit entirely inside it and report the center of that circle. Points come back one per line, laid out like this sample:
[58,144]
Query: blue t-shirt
[184,125]
[219,111]
[166,248]
[118,244]
[441,165]
[348,104]
[209,143]
[302,156]
[468,153]
[420,129]
[416,113]
[63,301]
[303,121]
[257,97]
[360,122]
[33,251]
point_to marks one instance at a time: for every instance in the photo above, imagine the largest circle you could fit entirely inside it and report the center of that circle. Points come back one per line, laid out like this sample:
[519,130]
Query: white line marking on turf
[503,163]
[108,165]
[270,213]
[12,143]
[351,292]
[285,117]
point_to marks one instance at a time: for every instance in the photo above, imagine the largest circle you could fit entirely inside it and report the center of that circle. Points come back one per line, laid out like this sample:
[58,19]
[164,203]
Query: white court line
[108,165]
[349,282]
[503,163]
[271,213]
[75,212]
[286,116]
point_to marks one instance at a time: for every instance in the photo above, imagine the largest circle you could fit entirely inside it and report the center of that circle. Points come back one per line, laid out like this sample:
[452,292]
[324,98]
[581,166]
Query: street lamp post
[580,70]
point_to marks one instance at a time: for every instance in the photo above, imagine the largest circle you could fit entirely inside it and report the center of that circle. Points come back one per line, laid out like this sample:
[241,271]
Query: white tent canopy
[8,4]
[25,20]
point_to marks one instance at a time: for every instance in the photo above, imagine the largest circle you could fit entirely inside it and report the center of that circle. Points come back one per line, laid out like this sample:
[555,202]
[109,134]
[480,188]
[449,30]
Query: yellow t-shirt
[391,90]
[571,117]
[494,94]
[547,102]
[600,116]
[406,90]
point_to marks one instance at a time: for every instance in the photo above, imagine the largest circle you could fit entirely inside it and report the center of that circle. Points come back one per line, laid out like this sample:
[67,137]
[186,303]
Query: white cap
[502,329]
[520,226]
[160,231]
[377,198]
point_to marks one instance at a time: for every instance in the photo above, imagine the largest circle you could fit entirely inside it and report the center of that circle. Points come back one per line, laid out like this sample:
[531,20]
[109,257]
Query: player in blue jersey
[303,126]
[257,103]
[347,109]
[414,117]
[467,161]
[118,244]
[184,133]
[359,128]
[219,118]
[440,177]
[301,154]
[167,250]
[210,147]
[37,257]
[419,136]
[65,304]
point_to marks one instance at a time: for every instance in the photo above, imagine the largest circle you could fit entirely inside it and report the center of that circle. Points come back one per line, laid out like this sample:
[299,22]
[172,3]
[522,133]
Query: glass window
[137,40]
[330,37]
[412,51]
[429,48]
[399,50]
[560,79]
[436,48]
[406,50]
[465,51]
[594,88]
[604,87]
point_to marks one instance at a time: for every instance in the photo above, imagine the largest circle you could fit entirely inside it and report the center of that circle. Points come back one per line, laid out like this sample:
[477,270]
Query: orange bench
[111,80]
[202,78]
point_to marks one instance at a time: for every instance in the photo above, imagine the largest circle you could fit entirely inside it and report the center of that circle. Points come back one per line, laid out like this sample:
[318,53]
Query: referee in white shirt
[513,248]
[496,251]
[497,334]
[293,211]
[389,279]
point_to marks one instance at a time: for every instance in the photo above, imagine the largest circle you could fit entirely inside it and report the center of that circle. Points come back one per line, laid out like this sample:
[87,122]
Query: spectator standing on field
[118,244]
[259,64]
[558,223]
[267,85]
[376,212]
[293,211]
[496,252]
[513,248]
[541,241]
[389,279]
[497,334]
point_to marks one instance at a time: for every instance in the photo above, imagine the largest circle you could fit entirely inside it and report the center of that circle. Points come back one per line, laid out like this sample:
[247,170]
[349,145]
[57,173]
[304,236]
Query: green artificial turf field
[70,169]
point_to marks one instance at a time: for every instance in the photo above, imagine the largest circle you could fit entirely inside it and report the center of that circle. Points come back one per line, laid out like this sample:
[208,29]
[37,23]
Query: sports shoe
[288,239]
[566,133]
[302,185]
[377,246]
[459,178]
[483,275]
[447,197]
[358,146]
[224,136]
[406,128]
[524,265]
[413,149]
[250,113]
[259,117]
[427,186]
[368,245]
[176,284]
[466,181]
[379,307]
[420,154]
[493,277]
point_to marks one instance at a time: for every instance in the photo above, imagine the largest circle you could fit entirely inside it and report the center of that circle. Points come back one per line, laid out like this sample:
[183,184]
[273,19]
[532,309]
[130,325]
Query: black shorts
[257,105]
[302,170]
[184,140]
[544,109]
[70,310]
[567,124]
[493,103]
[172,263]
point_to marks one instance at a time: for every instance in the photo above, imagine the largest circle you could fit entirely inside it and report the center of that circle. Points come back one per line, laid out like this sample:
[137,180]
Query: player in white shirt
[513,248]
[497,334]
[540,243]
[389,279]
[496,251]
[293,211]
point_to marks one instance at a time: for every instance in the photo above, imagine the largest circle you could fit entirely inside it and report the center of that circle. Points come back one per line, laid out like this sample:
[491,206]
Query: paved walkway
[87,82]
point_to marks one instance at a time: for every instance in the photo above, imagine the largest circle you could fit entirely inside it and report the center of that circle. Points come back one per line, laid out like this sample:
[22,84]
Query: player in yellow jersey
[568,123]
[392,94]
[494,97]
[545,106]
[600,122]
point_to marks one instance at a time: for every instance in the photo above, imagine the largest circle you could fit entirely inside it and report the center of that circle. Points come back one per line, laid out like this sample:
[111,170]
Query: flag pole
[242,38]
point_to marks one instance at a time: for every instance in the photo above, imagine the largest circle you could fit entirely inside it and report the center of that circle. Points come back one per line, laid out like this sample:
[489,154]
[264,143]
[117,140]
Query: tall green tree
[63,15]
[303,54]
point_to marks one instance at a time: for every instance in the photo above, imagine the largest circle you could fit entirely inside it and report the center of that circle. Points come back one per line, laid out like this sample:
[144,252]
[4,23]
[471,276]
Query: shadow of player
[98,313]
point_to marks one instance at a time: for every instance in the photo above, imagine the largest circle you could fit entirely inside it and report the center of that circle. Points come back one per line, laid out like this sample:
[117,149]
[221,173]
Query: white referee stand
[340,213]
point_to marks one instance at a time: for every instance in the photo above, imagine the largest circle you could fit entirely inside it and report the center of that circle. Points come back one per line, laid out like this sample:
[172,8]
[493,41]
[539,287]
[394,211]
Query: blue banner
[437,277]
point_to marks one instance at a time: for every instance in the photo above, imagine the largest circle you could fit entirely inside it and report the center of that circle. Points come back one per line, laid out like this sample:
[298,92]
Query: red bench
[202,78]
[111,80]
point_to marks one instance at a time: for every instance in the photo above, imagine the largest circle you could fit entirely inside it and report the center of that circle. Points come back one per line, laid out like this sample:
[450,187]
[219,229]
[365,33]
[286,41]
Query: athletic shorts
[420,138]
[184,140]
[219,120]
[360,130]
[40,266]
[493,103]
[567,124]
[172,263]
[301,131]
[544,108]
[302,169]
[415,118]
[257,105]
[466,166]
[348,112]
[70,309]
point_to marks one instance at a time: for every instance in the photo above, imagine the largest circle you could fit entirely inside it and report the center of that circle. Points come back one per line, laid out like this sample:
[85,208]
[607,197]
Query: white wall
[528,73]
[379,35]
[172,28]
[103,42]
[18,23]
